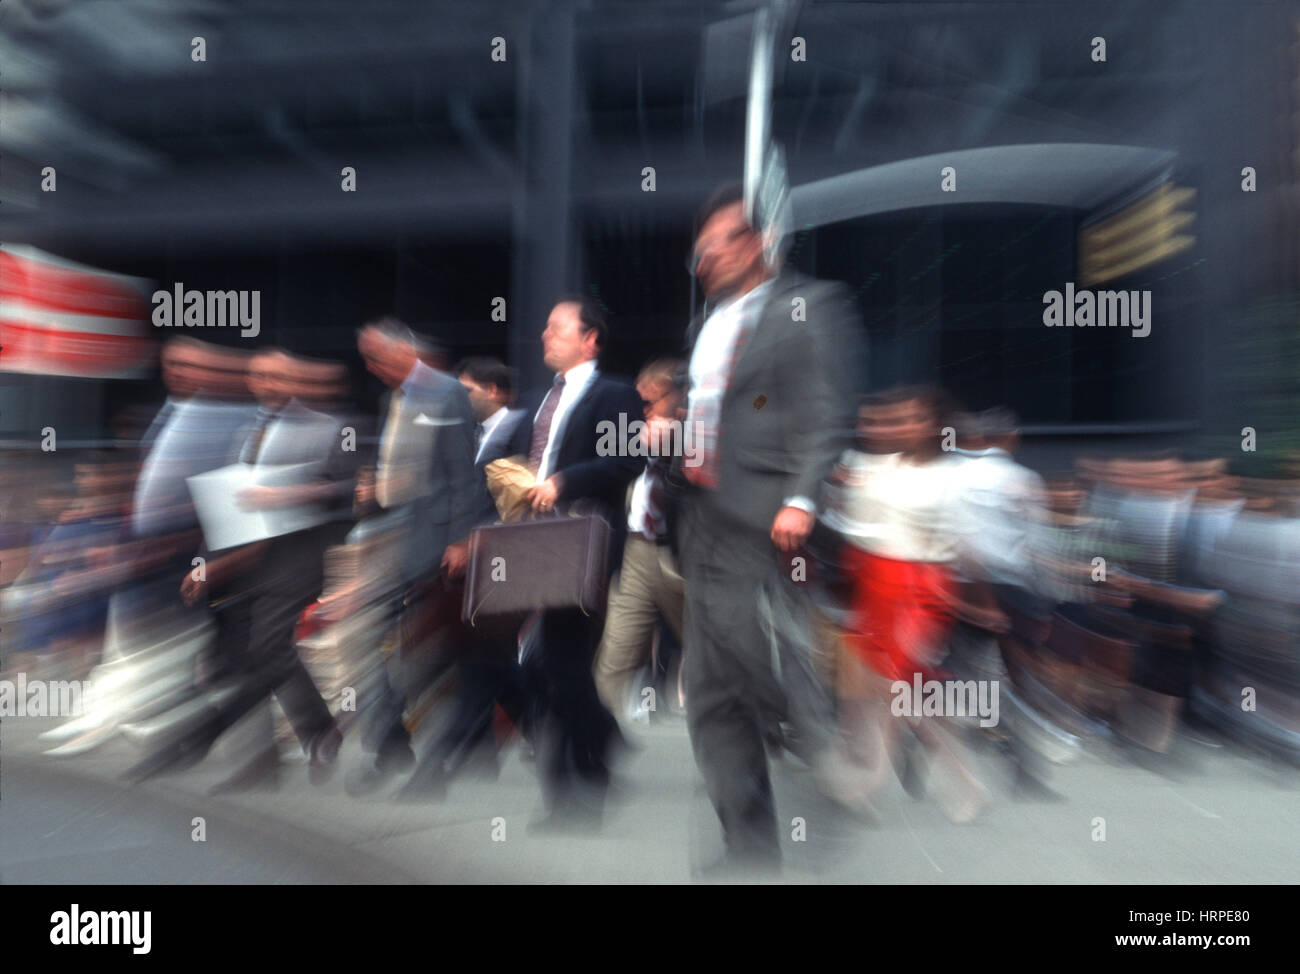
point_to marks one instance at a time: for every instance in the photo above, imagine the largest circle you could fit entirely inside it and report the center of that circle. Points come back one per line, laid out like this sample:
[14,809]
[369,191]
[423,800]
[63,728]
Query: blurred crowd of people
[774,587]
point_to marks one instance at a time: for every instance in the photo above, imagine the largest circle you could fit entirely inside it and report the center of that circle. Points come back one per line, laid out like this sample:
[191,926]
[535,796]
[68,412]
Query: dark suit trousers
[288,580]
[747,659]
[574,730]
[487,673]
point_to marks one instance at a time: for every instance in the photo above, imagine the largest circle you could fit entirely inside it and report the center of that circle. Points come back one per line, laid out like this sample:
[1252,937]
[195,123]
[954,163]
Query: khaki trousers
[646,585]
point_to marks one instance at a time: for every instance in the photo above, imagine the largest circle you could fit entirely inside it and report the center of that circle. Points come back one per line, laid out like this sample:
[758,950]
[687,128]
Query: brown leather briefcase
[554,563]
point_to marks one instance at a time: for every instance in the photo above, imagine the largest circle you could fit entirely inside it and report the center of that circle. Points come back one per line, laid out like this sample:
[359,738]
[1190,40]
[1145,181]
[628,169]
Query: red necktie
[542,425]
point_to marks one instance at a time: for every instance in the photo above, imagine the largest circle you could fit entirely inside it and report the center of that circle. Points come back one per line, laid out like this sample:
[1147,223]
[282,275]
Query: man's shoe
[424,789]
[324,756]
[427,783]
[378,770]
[912,773]
[175,756]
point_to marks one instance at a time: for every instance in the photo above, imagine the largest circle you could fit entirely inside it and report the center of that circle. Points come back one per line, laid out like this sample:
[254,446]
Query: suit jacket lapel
[762,333]
[497,442]
[578,405]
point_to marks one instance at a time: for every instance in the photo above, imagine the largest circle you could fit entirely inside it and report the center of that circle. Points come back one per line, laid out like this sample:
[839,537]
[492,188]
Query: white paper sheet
[226,523]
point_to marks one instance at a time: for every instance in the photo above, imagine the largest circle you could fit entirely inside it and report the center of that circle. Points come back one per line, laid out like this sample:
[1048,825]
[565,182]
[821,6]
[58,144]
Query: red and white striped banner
[62,318]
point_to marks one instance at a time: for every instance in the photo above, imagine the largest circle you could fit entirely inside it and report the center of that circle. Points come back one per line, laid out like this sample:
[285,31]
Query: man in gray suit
[426,488]
[770,409]
[425,464]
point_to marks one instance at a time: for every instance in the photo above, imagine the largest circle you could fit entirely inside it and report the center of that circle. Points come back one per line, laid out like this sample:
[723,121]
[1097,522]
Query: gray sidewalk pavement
[1229,817]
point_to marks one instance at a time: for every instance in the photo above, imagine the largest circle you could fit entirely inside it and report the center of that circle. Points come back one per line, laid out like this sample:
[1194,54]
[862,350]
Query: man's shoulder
[300,412]
[510,422]
[597,386]
[613,390]
[442,383]
[425,380]
[791,283]
[611,383]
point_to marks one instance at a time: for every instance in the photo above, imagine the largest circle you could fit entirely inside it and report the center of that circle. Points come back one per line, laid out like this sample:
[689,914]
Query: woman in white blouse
[898,508]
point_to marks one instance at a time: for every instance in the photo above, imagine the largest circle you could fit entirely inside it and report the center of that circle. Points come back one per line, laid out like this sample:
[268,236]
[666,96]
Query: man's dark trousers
[575,731]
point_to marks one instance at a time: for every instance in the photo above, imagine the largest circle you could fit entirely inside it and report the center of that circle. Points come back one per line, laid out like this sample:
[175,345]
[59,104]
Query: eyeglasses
[649,404]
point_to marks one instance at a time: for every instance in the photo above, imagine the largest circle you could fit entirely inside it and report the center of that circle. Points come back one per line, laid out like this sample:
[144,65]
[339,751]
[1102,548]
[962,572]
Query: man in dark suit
[562,438]
[769,409]
[490,386]
[488,672]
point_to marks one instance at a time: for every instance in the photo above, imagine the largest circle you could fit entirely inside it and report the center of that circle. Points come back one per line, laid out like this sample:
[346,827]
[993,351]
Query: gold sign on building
[1145,232]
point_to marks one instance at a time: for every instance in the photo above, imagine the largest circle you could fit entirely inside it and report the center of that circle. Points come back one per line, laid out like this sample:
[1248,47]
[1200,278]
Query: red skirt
[902,614]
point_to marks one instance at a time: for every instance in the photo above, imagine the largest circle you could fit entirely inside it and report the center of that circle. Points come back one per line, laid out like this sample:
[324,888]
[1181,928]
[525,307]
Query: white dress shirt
[711,359]
[636,511]
[487,426]
[575,382]
[402,473]
[711,362]
[1002,506]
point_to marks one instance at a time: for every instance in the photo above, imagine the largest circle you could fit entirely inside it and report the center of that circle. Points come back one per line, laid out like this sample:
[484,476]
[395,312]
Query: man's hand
[192,590]
[455,559]
[791,528]
[262,498]
[658,436]
[989,618]
[543,496]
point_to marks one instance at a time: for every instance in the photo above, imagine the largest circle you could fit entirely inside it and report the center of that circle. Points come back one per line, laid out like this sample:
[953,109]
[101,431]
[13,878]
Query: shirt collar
[750,296]
[491,422]
[579,374]
[418,374]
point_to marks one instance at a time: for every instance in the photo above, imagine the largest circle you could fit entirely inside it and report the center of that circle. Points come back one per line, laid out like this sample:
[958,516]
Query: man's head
[270,379]
[184,363]
[970,432]
[908,419]
[728,257]
[657,387]
[390,350]
[489,383]
[575,333]
[1065,495]
[1000,428]
[190,367]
